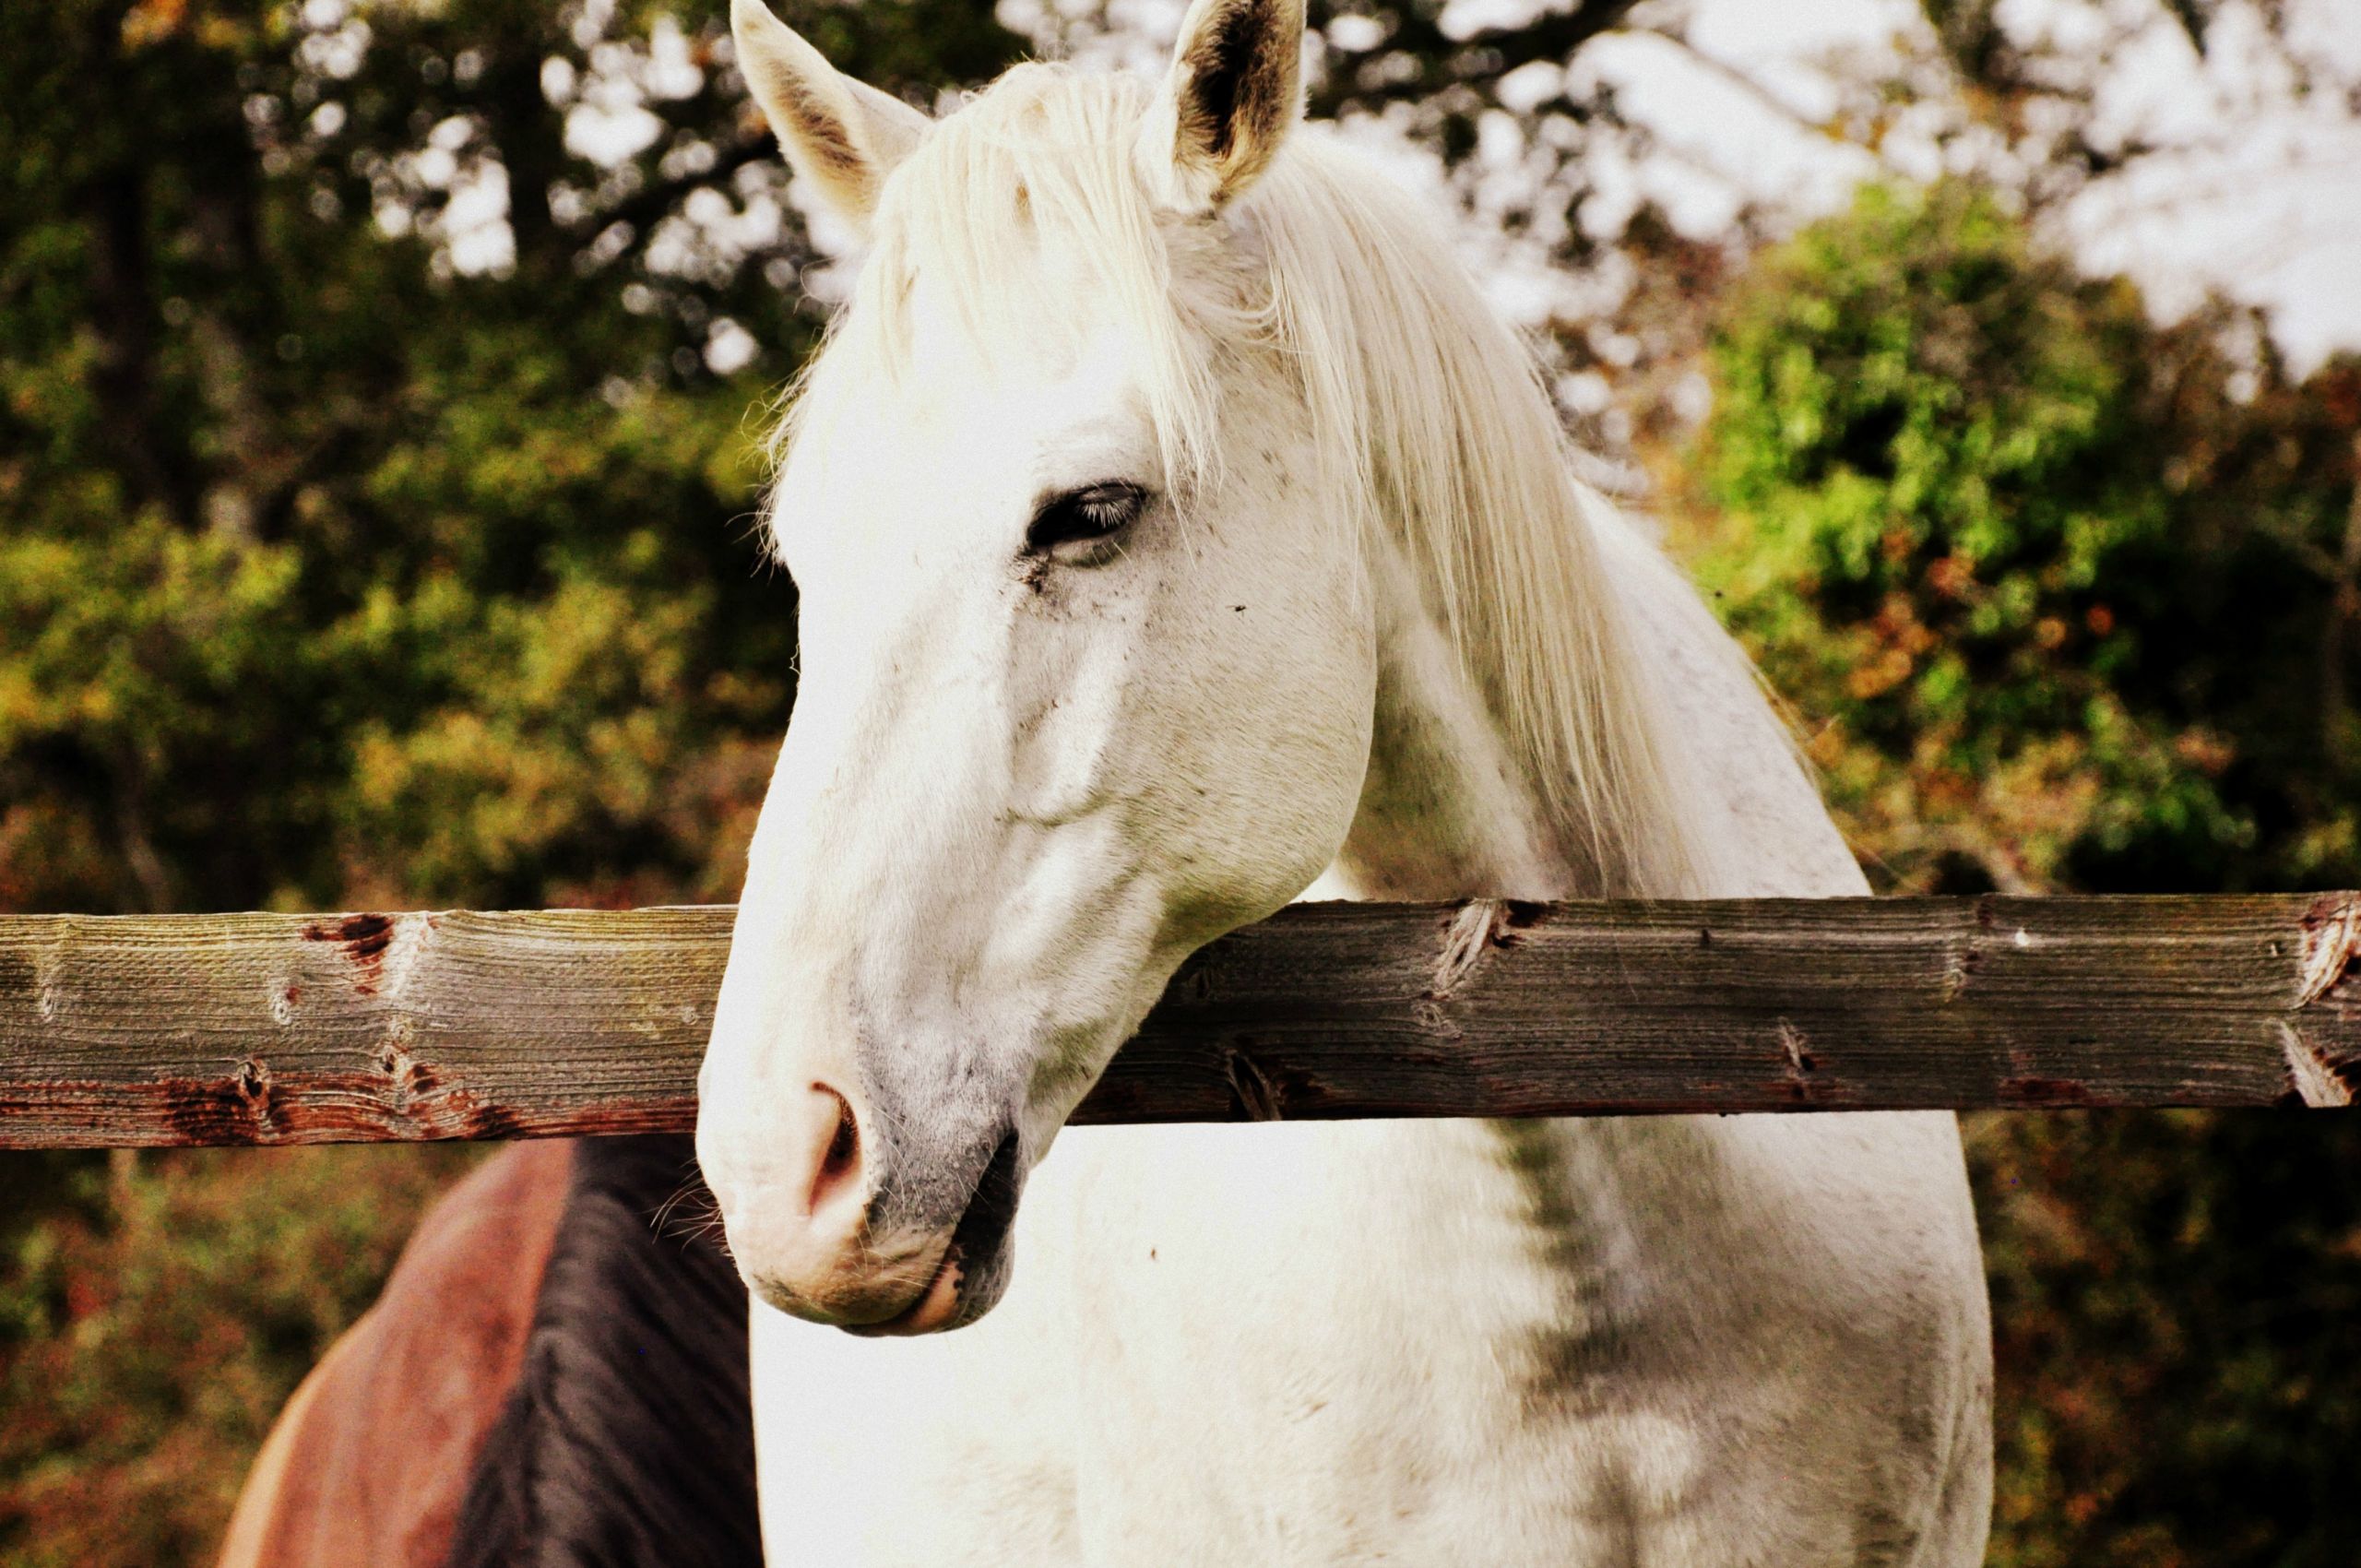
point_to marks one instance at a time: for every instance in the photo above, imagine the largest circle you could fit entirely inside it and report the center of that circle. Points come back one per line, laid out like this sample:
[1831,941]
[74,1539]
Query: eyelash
[1085,516]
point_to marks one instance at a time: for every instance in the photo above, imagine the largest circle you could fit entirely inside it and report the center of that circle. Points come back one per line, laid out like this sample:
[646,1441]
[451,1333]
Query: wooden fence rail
[263,1028]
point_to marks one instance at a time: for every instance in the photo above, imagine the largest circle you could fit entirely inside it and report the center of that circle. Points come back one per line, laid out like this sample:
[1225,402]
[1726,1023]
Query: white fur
[1372,627]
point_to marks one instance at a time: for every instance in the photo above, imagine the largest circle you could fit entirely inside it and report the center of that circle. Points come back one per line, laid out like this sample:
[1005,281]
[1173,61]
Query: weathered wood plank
[286,1028]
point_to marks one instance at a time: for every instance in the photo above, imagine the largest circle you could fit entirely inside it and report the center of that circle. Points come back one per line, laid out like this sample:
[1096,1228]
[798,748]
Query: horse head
[1086,653]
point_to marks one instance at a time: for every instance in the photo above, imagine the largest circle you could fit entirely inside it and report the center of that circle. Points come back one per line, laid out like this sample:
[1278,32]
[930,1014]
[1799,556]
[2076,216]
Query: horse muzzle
[829,1223]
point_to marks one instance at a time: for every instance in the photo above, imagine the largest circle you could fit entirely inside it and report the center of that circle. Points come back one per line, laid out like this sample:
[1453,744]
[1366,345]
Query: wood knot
[363,939]
[2315,1080]
[1795,1047]
[1961,964]
[251,1083]
[1256,1097]
[2331,942]
[1480,925]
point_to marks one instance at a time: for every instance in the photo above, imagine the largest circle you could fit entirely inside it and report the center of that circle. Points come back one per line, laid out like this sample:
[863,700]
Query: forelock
[1028,185]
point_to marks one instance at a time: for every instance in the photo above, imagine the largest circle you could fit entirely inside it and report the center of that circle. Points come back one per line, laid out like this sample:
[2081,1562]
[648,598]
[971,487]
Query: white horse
[1177,535]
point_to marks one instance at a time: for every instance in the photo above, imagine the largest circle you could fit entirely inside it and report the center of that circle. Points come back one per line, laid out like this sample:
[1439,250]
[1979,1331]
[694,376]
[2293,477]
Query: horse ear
[1234,89]
[843,136]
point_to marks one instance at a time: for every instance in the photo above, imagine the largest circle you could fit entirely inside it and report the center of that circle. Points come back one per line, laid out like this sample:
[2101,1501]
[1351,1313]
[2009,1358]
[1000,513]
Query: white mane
[1430,413]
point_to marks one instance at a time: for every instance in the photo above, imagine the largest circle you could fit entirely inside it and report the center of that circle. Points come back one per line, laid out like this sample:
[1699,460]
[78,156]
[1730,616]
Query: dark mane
[628,1438]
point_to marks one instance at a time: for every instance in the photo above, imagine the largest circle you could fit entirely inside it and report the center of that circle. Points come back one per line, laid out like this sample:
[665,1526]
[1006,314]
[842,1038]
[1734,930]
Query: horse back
[547,1380]
[372,1459]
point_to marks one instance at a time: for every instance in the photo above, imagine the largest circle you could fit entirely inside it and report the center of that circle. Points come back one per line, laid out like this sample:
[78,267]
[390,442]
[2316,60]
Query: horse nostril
[840,1164]
[844,1147]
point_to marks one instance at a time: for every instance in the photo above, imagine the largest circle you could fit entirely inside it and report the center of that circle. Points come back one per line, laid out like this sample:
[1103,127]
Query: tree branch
[1446,62]
[643,208]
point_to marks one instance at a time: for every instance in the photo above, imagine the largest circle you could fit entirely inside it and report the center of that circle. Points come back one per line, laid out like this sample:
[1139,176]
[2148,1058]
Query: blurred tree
[2173,1299]
[2069,594]
[372,391]
[2049,97]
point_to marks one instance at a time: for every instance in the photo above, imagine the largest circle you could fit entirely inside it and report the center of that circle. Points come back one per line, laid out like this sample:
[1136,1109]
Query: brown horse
[546,1379]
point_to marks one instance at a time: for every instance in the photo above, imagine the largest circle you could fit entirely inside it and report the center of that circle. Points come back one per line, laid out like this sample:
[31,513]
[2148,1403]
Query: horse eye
[1085,515]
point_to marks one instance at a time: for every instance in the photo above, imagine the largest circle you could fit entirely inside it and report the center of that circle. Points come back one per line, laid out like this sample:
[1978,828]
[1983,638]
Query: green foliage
[346,562]
[555,676]
[156,1315]
[2065,602]
[2071,608]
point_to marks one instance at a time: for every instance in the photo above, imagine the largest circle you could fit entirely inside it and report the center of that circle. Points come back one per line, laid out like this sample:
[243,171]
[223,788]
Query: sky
[2250,194]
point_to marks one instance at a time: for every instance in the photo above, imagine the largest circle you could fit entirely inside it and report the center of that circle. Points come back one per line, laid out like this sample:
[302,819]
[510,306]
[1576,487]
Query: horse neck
[1446,809]
[1510,1223]
[1451,808]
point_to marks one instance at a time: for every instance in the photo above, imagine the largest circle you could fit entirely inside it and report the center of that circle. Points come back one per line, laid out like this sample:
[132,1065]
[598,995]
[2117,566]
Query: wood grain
[260,1028]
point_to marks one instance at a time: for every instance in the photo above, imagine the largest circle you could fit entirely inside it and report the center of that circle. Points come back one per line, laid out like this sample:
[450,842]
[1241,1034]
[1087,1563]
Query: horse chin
[978,1264]
[892,1296]
[958,1295]
[937,1305]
